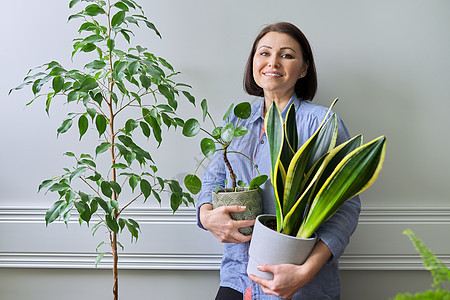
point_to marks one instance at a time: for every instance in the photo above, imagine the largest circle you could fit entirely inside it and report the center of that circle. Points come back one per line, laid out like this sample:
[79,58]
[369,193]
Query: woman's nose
[273,62]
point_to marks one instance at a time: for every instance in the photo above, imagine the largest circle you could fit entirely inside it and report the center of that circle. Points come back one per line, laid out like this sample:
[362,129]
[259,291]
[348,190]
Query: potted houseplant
[309,184]
[219,139]
[118,95]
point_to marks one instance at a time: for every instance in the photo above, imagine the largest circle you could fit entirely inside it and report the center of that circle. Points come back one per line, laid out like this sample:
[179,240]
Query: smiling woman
[280,68]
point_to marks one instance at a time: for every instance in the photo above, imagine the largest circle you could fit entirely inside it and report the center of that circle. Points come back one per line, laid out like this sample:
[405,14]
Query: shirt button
[262,141]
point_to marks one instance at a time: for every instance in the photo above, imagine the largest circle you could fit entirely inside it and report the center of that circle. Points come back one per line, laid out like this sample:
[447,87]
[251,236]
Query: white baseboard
[174,242]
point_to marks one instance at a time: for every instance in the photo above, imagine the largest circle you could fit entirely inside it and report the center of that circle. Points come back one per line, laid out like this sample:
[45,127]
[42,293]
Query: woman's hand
[287,278]
[220,224]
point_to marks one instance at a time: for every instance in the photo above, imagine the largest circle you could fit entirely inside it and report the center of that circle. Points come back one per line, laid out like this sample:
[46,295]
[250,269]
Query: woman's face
[278,64]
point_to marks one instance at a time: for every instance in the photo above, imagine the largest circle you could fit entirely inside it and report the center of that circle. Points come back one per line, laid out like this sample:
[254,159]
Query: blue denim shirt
[335,233]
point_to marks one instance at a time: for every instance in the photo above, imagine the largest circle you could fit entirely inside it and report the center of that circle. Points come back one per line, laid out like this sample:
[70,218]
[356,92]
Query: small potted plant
[219,139]
[309,186]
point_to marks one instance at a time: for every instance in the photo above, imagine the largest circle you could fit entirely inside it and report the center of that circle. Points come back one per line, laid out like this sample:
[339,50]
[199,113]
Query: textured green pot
[251,199]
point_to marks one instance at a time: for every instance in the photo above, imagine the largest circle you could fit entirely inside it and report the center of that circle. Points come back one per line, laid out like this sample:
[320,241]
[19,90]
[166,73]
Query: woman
[281,69]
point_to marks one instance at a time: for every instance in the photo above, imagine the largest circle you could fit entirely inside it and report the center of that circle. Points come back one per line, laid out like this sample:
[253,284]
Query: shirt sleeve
[336,232]
[215,175]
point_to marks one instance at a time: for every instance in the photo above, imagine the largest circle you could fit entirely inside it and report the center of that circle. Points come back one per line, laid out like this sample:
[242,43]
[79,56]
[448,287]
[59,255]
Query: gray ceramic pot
[271,247]
[249,198]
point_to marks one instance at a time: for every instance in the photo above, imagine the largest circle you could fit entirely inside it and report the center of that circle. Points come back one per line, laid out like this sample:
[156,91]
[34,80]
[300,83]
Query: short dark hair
[305,87]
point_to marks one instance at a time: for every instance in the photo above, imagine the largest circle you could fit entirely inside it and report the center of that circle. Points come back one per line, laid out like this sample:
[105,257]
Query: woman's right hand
[220,224]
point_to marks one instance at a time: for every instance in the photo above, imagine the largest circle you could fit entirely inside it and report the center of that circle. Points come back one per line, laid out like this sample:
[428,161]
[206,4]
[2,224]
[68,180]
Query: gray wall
[386,60]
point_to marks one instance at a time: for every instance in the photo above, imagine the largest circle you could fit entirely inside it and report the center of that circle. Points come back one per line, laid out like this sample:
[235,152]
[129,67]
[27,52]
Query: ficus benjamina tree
[313,181]
[119,95]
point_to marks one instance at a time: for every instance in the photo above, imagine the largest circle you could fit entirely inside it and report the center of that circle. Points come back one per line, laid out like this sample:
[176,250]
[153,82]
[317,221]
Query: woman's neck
[280,100]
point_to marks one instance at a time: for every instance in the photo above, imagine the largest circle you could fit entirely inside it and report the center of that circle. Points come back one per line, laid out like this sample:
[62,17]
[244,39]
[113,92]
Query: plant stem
[227,163]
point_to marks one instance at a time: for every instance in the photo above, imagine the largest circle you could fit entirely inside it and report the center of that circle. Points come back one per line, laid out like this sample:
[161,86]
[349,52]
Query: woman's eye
[264,53]
[288,56]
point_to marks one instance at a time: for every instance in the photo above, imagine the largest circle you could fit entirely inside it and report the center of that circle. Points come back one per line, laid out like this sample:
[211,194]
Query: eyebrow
[282,48]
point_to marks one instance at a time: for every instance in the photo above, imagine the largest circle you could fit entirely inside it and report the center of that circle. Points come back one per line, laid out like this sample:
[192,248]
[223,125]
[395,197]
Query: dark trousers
[226,293]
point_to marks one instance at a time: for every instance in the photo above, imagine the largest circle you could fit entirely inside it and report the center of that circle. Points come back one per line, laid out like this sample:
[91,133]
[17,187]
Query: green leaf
[106,189]
[217,132]
[103,147]
[227,134]
[152,26]
[243,110]
[133,181]
[111,44]
[107,208]
[73,2]
[119,166]
[204,106]
[227,113]
[88,47]
[118,18]
[130,125]
[208,147]
[58,83]
[77,173]
[83,125]
[116,187]
[65,126]
[93,10]
[193,184]
[258,181]
[191,128]
[122,6]
[189,97]
[54,212]
[96,65]
[44,184]
[93,39]
[88,84]
[146,188]
[100,123]
[145,81]
[166,64]
[145,129]
[99,258]
[112,223]
[240,131]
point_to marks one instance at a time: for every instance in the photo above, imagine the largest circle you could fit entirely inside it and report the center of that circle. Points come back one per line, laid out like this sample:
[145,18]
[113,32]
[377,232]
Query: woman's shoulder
[308,109]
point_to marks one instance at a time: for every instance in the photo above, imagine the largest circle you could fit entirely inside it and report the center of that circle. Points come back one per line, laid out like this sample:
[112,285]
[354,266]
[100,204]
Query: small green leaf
[193,184]
[93,10]
[100,123]
[191,128]
[145,81]
[99,258]
[77,173]
[66,124]
[96,65]
[145,129]
[227,113]
[73,2]
[130,125]
[133,181]
[204,106]
[240,131]
[93,39]
[208,147]
[58,83]
[112,223]
[227,133]
[258,181]
[116,187]
[118,18]
[106,189]
[146,188]
[111,44]
[44,184]
[217,132]
[189,97]
[119,166]
[122,6]
[89,47]
[243,110]
[88,84]
[83,125]
[103,147]
[53,212]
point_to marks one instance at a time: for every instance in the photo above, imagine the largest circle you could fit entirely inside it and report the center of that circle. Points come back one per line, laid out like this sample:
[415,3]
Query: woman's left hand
[287,279]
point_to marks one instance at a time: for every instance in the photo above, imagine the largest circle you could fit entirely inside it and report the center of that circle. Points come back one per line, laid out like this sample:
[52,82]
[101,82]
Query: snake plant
[311,183]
